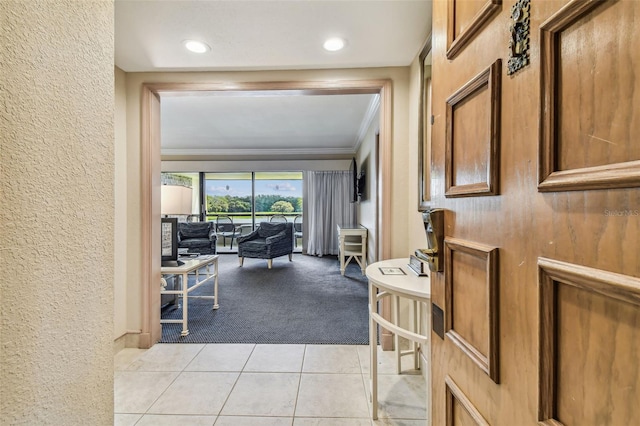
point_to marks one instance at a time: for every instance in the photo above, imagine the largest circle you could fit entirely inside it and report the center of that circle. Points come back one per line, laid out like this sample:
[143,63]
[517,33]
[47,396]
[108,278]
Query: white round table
[393,278]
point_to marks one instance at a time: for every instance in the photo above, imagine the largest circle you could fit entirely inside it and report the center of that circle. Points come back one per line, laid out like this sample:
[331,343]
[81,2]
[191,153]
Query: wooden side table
[353,245]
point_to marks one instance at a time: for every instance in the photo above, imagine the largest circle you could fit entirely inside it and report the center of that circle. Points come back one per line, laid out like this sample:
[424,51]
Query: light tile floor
[255,385]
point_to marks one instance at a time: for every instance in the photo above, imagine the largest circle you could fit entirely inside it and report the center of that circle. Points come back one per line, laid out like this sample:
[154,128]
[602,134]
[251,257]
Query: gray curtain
[326,205]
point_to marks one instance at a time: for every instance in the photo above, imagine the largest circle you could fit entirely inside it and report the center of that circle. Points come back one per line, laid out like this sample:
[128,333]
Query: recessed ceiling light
[333,44]
[196,46]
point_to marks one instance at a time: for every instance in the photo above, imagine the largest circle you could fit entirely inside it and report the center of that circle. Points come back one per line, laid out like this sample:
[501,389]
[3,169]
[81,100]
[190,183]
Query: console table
[393,278]
[353,245]
[192,265]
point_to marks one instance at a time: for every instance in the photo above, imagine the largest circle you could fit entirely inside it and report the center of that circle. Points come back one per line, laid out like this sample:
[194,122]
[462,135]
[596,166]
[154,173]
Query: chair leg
[290,257]
[241,259]
[269,263]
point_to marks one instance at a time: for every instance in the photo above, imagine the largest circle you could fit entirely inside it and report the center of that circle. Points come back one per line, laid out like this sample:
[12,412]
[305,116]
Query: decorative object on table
[392,271]
[418,265]
[169,241]
[269,241]
[519,40]
[168,282]
[189,255]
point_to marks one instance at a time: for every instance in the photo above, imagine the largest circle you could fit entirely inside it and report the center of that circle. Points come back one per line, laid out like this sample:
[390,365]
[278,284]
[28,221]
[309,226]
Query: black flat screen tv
[356,182]
[353,181]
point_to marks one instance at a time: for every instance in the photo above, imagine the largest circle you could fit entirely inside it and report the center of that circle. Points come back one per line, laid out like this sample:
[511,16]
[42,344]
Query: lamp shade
[175,200]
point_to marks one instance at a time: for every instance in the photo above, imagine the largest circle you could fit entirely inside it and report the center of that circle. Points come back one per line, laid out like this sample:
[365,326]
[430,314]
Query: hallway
[246,384]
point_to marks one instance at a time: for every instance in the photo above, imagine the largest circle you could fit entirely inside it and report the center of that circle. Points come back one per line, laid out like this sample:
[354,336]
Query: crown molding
[267,152]
[372,110]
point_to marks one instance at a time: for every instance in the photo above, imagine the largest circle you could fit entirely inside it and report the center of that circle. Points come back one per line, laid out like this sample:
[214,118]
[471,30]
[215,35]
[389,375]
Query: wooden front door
[536,161]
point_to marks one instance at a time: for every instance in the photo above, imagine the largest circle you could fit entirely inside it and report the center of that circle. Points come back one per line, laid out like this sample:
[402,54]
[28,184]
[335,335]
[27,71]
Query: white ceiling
[266,35]
[265,125]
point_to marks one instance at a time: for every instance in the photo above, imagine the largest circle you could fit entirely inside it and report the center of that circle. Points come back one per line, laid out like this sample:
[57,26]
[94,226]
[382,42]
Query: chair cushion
[270,229]
[257,244]
[195,242]
[194,230]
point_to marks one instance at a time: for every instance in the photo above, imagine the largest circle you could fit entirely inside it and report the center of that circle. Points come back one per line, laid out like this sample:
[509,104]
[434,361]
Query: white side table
[353,245]
[384,283]
[192,265]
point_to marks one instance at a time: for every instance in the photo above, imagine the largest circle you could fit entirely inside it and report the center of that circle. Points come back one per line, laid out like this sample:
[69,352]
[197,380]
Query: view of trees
[264,203]
[282,207]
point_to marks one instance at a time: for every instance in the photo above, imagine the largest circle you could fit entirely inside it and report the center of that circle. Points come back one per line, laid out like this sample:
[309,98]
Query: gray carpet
[306,301]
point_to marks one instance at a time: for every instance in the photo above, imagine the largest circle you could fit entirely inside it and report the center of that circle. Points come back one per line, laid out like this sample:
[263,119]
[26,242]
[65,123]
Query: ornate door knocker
[519,40]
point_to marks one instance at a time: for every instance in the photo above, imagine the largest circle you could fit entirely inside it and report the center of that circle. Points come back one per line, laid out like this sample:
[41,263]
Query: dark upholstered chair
[270,240]
[197,237]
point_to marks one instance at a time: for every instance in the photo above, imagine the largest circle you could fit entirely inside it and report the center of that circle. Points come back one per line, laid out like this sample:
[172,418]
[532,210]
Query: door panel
[595,74]
[567,210]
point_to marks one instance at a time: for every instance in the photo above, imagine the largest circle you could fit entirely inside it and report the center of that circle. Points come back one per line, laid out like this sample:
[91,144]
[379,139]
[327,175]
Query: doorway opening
[151,167]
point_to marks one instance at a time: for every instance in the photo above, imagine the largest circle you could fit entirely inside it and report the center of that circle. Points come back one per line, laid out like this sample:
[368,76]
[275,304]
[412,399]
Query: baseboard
[130,339]
[144,341]
[119,344]
[386,341]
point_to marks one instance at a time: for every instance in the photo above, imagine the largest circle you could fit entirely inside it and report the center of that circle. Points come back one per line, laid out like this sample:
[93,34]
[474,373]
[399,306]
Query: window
[253,197]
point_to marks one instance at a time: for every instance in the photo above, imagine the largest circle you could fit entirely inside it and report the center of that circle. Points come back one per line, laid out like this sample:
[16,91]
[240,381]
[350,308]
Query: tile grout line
[361,360]
[169,385]
[295,405]
[235,383]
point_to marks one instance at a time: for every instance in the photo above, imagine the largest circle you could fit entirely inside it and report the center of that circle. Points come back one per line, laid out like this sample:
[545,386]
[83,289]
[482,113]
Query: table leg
[395,315]
[215,284]
[373,350]
[185,303]
[342,255]
[415,314]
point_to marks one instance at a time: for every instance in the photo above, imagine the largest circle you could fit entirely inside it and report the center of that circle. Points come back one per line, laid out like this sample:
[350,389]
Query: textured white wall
[121,258]
[57,209]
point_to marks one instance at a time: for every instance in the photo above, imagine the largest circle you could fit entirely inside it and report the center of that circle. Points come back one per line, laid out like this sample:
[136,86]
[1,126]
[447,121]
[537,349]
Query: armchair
[197,237]
[270,240]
